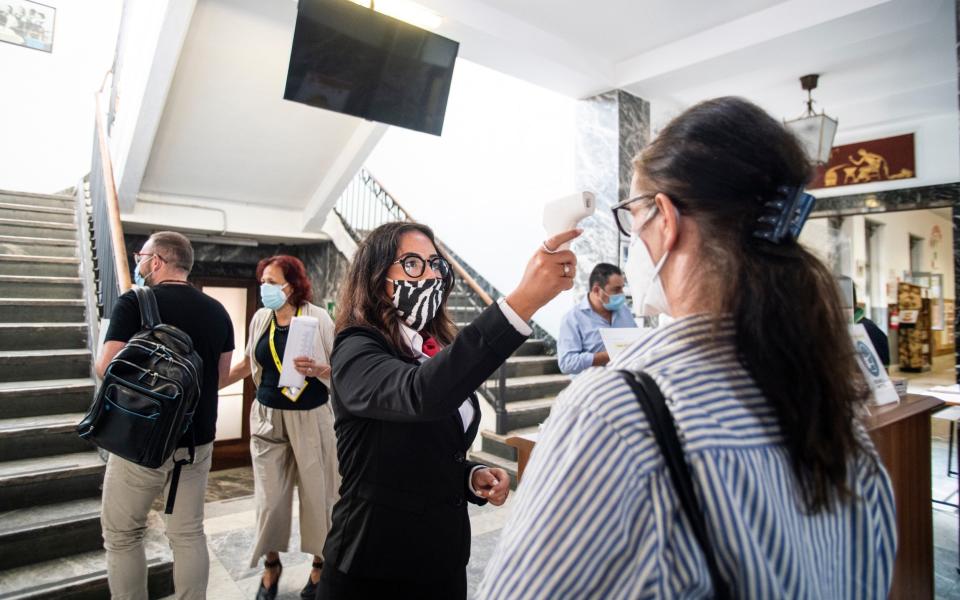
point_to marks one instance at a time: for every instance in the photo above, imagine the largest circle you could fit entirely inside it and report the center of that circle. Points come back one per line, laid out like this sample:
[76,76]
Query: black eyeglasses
[138,256]
[414,265]
[622,214]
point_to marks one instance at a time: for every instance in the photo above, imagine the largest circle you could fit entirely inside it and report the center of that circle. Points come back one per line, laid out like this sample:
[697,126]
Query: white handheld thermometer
[564,213]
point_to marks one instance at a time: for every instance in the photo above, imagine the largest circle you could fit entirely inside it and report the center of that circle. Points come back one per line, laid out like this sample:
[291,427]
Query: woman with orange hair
[292,439]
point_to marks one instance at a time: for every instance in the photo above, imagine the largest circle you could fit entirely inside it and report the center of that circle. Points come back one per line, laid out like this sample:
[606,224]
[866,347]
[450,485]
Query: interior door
[232,445]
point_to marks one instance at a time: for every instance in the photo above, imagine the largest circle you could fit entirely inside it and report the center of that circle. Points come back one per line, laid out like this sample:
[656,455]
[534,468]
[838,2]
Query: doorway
[231,448]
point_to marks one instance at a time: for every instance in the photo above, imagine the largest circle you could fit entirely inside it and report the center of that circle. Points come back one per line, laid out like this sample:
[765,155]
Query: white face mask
[649,299]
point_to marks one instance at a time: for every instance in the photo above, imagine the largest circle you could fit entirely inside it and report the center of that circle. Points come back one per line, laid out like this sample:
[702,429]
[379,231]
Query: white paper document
[300,341]
[946,389]
[883,389]
[618,339]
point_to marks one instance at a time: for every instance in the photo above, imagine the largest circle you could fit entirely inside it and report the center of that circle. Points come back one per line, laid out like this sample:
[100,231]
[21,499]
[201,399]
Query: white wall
[937,153]
[507,148]
[47,102]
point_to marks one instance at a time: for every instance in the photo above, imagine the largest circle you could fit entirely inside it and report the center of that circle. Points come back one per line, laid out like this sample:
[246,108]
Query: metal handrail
[385,196]
[107,224]
[366,204]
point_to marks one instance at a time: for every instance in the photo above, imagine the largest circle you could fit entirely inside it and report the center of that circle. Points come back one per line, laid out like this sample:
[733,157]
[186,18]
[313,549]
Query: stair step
[83,577]
[35,436]
[492,460]
[40,533]
[537,386]
[492,442]
[528,413]
[45,397]
[29,310]
[50,200]
[60,231]
[48,479]
[531,347]
[25,212]
[42,336]
[523,366]
[37,246]
[44,266]
[37,365]
[20,286]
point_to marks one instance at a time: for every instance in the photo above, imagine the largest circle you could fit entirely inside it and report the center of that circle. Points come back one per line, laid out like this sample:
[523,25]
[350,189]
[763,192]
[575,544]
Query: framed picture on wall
[27,23]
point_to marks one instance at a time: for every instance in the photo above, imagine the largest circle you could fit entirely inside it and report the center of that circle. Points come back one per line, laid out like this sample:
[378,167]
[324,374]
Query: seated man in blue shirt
[579,345]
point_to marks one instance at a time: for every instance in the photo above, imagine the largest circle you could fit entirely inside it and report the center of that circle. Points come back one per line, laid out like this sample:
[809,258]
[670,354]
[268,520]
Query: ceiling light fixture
[406,11]
[815,131]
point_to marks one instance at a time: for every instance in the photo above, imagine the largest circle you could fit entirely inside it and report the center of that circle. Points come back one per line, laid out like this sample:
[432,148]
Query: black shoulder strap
[149,313]
[661,422]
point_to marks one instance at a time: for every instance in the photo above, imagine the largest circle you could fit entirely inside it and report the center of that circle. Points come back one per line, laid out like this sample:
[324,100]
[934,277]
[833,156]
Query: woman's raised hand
[548,273]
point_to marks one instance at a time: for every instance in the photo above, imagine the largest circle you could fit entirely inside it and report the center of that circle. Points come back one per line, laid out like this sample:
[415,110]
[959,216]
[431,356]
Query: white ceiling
[880,60]
[227,133]
[619,30]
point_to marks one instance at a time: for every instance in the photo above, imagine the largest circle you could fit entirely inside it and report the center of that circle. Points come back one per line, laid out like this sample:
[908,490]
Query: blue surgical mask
[615,302]
[138,278]
[272,295]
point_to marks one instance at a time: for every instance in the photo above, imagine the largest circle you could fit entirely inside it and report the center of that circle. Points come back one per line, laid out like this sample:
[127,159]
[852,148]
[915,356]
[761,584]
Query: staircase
[532,378]
[532,382]
[50,479]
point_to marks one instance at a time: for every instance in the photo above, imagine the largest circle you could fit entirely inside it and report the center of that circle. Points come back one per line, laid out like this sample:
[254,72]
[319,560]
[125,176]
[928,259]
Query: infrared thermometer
[564,213]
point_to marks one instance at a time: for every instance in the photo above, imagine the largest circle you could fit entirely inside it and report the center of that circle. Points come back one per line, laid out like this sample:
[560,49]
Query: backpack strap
[175,476]
[149,313]
[665,431]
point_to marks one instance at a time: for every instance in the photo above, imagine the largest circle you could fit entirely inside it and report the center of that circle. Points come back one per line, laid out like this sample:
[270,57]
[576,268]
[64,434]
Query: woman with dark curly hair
[406,411]
[291,430]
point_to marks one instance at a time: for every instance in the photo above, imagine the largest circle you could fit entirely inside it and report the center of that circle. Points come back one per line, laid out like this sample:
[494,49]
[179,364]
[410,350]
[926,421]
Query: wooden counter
[901,433]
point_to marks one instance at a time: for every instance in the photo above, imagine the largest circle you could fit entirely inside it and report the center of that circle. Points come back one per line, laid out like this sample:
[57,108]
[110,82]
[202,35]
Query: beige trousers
[293,447]
[128,492]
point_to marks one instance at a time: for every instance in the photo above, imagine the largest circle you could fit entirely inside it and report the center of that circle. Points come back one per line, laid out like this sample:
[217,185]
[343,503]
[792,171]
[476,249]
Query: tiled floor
[229,528]
[230,516]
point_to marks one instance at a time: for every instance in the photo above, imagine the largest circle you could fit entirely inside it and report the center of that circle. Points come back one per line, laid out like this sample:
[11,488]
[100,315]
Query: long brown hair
[719,162]
[363,300]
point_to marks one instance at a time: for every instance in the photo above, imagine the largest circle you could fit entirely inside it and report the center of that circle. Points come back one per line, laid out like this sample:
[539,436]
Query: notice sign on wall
[885,159]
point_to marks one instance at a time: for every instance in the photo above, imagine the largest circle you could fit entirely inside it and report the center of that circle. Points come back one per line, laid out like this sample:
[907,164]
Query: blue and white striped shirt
[597,517]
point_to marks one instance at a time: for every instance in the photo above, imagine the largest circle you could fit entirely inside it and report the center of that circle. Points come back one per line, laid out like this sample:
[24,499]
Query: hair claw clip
[783,217]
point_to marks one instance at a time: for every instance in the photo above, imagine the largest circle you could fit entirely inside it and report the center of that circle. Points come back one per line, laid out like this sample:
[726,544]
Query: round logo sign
[867,356]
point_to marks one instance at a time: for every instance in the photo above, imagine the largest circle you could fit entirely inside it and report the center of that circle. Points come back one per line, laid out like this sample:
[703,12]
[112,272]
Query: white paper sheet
[946,389]
[618,339]
[300,340]
[883,389]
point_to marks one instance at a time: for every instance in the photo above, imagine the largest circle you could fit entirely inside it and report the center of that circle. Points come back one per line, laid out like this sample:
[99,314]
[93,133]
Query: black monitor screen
[353,60]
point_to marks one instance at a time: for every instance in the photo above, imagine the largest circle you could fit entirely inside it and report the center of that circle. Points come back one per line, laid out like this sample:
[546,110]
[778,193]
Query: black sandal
[271,592]
[309,591]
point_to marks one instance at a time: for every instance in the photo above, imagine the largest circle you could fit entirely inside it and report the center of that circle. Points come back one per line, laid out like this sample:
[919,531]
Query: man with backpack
[129,489]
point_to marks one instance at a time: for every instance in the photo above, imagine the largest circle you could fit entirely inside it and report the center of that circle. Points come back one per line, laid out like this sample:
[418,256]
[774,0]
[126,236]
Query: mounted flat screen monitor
[352,60]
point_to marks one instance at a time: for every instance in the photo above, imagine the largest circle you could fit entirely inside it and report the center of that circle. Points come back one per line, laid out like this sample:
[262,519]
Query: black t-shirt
[208,325]
[268,394]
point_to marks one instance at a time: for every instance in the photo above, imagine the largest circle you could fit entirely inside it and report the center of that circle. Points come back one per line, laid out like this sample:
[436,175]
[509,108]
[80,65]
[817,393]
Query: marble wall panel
[611,129]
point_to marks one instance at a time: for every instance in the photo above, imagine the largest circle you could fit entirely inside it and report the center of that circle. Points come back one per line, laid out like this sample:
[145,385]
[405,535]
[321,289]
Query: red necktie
[430,346]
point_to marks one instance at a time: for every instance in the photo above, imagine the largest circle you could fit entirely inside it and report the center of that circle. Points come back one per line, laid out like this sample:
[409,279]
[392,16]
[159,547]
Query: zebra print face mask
[418,301]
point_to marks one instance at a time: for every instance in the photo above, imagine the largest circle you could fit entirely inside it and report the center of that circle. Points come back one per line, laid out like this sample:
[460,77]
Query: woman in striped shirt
[761,381]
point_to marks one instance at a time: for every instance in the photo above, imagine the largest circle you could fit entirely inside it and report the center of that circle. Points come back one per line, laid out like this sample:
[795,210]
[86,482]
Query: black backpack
[148,396]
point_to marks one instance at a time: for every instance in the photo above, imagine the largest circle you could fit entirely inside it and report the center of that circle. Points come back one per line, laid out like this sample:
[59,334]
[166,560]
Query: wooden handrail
[457,267]
[113,205]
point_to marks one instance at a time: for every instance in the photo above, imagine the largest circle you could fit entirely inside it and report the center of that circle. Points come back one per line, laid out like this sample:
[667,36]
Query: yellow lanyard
[292,393]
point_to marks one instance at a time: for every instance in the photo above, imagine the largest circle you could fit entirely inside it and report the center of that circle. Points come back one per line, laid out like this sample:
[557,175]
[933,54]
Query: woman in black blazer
[406,414]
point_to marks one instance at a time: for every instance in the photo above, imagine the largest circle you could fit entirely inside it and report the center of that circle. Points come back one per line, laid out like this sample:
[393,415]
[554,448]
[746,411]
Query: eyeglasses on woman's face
[414,265]
[623,212]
